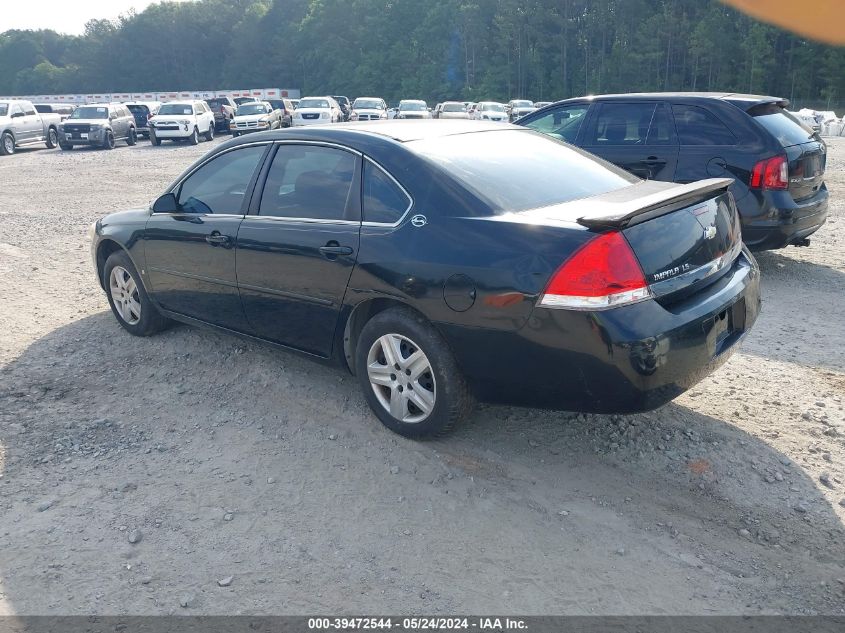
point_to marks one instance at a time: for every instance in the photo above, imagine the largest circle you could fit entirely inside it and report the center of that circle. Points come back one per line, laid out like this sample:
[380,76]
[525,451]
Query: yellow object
[822,20]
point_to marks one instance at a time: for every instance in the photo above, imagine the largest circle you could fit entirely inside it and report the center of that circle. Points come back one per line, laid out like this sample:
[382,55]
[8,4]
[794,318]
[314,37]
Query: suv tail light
[771,173]
[603,273]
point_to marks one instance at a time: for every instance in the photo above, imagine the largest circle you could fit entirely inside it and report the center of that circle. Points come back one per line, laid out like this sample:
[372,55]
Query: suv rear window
[515,170]
[782,125]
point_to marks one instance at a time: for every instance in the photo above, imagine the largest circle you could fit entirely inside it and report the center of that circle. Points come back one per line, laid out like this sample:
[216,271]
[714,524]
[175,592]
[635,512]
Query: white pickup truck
[21,126]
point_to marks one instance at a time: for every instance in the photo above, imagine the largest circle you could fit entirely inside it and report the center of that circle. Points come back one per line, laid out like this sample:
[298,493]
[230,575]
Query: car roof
[733,97]
[398,131]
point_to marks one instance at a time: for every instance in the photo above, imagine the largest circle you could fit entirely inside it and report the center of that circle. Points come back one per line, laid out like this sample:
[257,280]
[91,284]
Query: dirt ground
[137,473]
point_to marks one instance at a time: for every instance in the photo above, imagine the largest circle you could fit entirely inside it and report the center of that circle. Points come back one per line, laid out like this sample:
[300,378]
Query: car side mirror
[15,115]
[166,203]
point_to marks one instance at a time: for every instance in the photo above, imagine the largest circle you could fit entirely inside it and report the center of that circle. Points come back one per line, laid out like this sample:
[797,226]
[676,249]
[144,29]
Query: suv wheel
[154,139]
[209,135]
[409,376]
[52,138]
[194,138]
[109,142]
[132,138]
[7,144]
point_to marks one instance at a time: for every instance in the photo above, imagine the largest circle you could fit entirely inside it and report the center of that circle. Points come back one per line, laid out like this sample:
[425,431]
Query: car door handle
[335,249]
[653,160]
[217,238]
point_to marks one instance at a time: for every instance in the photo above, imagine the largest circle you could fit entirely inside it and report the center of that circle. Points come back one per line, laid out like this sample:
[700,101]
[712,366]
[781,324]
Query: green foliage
[434,49]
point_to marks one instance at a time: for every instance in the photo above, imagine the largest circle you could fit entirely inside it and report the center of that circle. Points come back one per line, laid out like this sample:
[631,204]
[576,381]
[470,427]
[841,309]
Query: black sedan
[442,262]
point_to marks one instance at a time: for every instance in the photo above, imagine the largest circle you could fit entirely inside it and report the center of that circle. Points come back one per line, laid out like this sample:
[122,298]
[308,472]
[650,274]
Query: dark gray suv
[98,125]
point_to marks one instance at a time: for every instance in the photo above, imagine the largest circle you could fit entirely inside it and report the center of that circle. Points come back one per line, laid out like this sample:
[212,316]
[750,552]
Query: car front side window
[310,182]
[220,185]
[561,123]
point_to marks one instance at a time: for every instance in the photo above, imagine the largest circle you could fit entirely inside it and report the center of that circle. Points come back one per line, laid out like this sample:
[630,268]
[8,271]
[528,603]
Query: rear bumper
[623,360]
[783,221]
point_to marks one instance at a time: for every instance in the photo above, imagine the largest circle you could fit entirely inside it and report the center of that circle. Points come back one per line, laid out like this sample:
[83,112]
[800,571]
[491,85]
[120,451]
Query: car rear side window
[309,182]
[697,126]
[220,185]
[385,202]
[621,124]
[515,170]
[782,125]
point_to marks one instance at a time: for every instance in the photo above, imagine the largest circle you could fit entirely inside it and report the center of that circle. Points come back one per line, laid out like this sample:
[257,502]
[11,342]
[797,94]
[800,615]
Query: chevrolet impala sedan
[443,263]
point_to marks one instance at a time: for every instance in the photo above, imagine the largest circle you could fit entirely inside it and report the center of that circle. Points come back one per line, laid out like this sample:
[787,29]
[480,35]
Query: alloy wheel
[9,144]
[402,378]
[124,294]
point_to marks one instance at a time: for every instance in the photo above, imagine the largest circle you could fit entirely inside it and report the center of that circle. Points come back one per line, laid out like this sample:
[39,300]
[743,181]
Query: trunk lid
[806,153]
[684,236]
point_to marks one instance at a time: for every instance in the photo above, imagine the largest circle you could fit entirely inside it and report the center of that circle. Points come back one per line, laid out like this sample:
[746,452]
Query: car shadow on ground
[231,458]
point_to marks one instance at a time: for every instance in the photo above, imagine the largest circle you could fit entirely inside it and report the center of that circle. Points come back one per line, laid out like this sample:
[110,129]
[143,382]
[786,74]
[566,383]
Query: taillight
[772,173]
[603,273]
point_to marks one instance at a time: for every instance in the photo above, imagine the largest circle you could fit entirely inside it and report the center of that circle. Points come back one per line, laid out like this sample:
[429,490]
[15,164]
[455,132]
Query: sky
[64,16]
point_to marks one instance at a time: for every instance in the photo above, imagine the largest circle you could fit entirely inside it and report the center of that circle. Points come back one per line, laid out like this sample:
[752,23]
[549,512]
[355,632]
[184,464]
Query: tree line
[430,49]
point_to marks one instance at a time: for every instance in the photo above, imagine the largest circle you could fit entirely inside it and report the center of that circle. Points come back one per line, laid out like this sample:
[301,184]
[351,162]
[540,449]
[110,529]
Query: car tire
[65,147]
[209,135]
[52,138]
[194,138]
[235,135]
[109,143]
[428,391]
[154,139]
[7,144]
[129,301]
[132,138]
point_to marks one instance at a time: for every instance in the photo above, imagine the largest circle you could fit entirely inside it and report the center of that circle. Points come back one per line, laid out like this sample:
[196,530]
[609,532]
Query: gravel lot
[137,474]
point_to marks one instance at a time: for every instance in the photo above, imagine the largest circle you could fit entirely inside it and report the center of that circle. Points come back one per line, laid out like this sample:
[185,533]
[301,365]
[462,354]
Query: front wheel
[52,138]
[154,139]
[65,146]
[194,138]
[132,138]
[128,300]
[409,376]
[209,135]
[109,142]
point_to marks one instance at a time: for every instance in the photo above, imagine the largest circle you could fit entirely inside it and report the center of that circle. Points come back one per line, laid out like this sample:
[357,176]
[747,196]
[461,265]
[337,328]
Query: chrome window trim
[398,184]
[701,273]
[199,215]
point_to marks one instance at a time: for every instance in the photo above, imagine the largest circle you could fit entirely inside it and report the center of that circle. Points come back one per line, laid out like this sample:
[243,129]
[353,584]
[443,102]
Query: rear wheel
[194,138]
[409,376]
[132,138]
[209,135]
[7,144]
[128,300]
[52,138]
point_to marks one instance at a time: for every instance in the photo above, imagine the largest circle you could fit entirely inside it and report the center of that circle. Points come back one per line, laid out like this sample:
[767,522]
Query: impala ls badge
[419,220]
[710,232]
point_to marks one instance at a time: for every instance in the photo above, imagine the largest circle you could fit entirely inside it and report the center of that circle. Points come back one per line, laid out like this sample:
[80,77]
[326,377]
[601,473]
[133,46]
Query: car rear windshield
[216,103]
[138,109]
[43,109]
[782,125]
[414,106]
[90,112]
[173,108]
[523,170]
[454,107]
[492,107]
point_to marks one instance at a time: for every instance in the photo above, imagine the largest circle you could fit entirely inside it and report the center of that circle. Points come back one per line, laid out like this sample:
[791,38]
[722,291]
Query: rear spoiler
[627,212]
